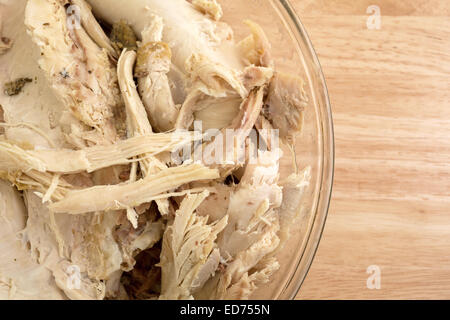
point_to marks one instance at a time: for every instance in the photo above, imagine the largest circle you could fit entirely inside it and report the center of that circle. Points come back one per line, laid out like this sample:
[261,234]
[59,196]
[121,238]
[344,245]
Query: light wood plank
[390,94]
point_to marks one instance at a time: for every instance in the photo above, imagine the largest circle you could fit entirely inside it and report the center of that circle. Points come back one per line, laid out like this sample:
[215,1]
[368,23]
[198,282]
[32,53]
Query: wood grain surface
[390,95]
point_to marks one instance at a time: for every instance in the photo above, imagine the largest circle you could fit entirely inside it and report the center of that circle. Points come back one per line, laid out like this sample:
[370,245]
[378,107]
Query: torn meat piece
[241,127]
[186,250]
[85,289]
[253,76]
[216,204]
[250,281]
[66,161]
[78,70]
[256,48]
[188,30]
[267,133]
[132,194]
[294,188]
[285,104]
[93,28]
[211,83]
[137,120]
[40,182]
[153,64]
[253,225]
[217,93]
[22,276]
[218,78]
[210,7]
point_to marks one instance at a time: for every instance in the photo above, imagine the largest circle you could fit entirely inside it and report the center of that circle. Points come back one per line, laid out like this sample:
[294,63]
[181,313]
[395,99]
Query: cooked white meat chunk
[39,109]
[249,282]
[285,104]
[137,120]
[47,185]
[251,204]
[78,70]
[247,260]
[188,244]
[92,27]
[256,48]
[253,76]
[207,270]
[253,225]
[216,204]
[66,161]
[210,82]
[55,249]
[294,188]
[153,65]
[83,289]
[267,133]
[132,194]
[217,91]
[232,153]
[210,7]
[21,277]
[189,30]
[214,113]
[218,79]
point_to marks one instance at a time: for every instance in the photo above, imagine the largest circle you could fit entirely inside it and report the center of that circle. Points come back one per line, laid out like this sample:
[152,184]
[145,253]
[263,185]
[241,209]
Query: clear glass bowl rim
[296,280]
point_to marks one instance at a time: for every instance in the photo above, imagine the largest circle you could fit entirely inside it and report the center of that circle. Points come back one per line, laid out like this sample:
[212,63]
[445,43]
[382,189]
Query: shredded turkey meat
[139,152]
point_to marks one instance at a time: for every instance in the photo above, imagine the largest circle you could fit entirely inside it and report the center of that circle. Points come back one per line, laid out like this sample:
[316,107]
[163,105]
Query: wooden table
[390,94]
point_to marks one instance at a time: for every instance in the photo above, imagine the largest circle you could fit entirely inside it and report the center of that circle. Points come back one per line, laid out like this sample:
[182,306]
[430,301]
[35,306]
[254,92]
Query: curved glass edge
[328,151]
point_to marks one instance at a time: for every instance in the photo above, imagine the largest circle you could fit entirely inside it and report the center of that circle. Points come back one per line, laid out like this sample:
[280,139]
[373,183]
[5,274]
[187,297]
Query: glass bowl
[294,53]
